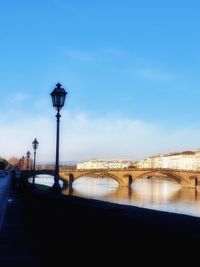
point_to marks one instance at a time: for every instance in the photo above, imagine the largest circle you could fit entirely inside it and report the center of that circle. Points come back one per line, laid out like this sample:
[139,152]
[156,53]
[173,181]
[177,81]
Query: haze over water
[156,193]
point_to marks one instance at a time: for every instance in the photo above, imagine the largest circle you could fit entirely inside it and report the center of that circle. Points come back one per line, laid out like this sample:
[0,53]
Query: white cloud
[102,55]
[79,55]
[152,74]
[83,137]
[18,98]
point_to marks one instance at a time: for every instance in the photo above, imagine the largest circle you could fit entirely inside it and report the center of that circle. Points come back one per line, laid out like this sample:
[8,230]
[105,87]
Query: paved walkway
[4,193]
[14,246]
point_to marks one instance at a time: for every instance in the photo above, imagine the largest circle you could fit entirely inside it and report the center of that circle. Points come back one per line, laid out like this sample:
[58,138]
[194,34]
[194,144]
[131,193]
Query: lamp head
[35,144]
[58,96]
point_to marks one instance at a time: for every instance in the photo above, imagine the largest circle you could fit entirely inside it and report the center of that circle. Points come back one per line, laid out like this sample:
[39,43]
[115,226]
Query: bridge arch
[73,177]
[169,174]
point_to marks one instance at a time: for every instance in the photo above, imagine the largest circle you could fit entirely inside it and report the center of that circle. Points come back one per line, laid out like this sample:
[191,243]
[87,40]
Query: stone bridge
[126,177]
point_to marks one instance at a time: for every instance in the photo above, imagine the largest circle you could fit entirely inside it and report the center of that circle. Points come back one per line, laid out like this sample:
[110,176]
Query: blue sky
[126,64]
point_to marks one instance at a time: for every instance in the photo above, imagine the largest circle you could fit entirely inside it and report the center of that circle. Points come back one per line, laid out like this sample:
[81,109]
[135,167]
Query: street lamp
[22,162]
[58,96]
[28,157]
[35,146]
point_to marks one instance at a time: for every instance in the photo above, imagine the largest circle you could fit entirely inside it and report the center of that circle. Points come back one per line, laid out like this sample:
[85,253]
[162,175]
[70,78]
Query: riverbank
[67,225]
[4,194]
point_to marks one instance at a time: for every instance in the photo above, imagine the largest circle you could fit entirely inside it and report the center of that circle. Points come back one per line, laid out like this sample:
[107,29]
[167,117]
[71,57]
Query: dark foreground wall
[65,227]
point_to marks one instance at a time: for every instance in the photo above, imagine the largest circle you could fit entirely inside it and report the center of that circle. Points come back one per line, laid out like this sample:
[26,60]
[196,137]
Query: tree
[13,160]
[3,163]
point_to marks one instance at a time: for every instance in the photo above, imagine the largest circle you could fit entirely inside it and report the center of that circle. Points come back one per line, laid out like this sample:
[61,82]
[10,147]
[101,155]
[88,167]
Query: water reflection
[155,190]
[158,194]
[94,187]
[148,193]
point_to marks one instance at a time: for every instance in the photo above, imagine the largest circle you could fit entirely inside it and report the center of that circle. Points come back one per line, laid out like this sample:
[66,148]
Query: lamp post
[35,146]
[58,96]
[28,157]
[22,162]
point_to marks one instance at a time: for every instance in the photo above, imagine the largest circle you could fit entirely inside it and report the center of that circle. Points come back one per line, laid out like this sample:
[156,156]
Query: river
[156,193]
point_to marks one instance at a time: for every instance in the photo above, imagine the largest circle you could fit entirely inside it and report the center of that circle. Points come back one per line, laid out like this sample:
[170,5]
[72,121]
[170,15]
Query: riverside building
[103,164]
[186,160]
